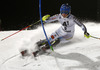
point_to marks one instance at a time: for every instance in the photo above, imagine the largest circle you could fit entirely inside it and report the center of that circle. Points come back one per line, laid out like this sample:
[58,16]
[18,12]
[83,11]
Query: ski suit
[66,31]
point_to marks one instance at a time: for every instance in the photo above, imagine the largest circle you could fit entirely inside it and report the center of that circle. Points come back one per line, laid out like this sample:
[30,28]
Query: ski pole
[19,31]
[95,37]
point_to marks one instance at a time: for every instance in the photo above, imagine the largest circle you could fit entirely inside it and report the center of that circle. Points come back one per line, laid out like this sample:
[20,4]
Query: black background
[17,14]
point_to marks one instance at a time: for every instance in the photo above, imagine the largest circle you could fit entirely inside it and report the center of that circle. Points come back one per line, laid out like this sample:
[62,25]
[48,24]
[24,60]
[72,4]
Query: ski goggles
[64,12]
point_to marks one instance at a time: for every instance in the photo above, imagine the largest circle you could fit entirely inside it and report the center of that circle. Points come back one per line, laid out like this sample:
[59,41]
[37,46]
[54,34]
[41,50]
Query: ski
[9,58]
[46,53]
[27,64]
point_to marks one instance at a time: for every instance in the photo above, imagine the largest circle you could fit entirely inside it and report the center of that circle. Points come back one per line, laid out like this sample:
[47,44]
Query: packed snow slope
[78,54]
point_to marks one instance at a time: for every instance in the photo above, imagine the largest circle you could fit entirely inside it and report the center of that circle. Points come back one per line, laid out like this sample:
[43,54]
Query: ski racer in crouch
[64,33]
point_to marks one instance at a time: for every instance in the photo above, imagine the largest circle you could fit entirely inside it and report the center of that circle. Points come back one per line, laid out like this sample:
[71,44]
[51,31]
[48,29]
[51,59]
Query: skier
[63,34]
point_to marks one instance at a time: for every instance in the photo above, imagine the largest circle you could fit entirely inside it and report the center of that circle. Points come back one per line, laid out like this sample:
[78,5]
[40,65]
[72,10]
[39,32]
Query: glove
[87,35]
[44,18]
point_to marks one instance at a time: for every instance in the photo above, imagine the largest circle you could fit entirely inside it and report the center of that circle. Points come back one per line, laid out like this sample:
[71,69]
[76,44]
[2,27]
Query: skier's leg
[43,48]
[41,42]
[54,40]
[53,43]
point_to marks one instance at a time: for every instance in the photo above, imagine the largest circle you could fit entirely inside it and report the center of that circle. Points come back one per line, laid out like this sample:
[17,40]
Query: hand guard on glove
[46,17]
[87,35]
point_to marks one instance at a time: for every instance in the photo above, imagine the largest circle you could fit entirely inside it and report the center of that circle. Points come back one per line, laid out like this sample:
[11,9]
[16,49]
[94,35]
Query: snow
[78,54]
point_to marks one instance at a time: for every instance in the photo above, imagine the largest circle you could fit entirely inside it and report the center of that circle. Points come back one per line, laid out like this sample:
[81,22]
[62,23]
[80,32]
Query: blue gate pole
[43,26]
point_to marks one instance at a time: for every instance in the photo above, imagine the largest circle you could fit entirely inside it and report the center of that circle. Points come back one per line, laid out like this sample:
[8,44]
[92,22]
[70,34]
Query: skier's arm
[52,19]
[86,34]
[81,25]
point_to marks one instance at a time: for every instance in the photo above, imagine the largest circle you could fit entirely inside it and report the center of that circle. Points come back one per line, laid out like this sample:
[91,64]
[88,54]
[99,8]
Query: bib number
[65,24]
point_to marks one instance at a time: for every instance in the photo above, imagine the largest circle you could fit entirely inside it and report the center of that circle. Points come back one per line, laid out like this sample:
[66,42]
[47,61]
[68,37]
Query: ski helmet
[65,9]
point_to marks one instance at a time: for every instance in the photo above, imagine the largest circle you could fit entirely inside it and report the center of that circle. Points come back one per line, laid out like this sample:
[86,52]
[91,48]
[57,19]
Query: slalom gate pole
[43,26]
[95,37]
[19,31]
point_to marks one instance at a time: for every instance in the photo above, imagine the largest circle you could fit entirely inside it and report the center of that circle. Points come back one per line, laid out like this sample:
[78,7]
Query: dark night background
[17,14]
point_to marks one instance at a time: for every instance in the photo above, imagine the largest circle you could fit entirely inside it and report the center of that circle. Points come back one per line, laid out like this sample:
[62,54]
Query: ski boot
[41,51]
[42,42]
[24,53]
[43,46]
[35,53]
